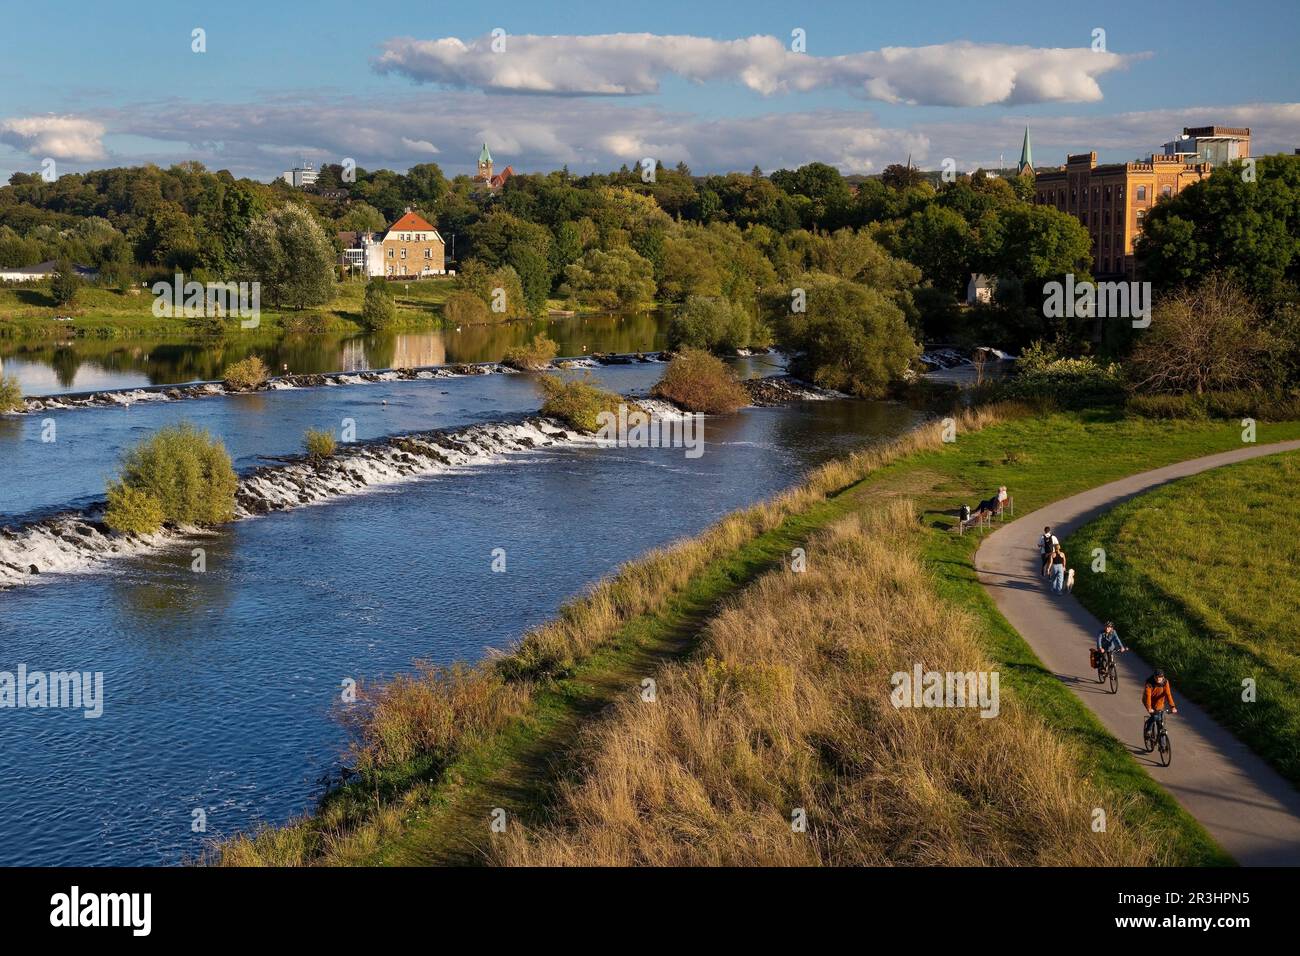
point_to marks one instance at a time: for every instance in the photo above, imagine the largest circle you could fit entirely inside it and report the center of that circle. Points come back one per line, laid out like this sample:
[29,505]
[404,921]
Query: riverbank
[436,793]
[28,313]
[1212,632]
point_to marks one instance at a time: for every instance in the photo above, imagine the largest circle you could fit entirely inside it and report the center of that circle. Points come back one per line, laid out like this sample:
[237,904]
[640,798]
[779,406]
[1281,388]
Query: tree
[65,284]
[1041,241]
[378,310]
[712,324]
[616,279]
[939,242]
[1206,338]
[1248,227]
[289,254]
[848,337]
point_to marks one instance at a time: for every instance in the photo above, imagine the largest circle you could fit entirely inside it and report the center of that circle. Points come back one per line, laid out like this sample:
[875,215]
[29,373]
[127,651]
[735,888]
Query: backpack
[1045,544]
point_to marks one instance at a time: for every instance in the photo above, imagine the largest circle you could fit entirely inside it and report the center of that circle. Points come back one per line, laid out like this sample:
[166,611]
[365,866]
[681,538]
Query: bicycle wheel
[1101,674]
[1148,739]
[1166,749]
[1114,679]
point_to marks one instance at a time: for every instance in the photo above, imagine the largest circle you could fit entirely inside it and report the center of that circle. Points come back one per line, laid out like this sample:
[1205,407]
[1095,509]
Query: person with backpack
[1046,544]
[1057,564]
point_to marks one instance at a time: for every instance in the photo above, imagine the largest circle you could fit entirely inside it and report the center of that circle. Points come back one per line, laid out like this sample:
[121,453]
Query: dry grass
[788,706]
[443,710]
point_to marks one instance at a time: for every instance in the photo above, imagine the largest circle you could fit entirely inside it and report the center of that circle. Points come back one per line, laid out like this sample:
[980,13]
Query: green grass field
[1041,458]
[27,311]
[1200,579]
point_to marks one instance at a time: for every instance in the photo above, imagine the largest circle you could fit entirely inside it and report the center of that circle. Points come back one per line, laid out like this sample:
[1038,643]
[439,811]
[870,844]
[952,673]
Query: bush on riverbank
[11,394]
[465,308]
[319,443]
[1067,382]
[700,382]
[788,704]
[578,402]
[246,374]
[185,472]
[534,356]
[712,323]
[378,310]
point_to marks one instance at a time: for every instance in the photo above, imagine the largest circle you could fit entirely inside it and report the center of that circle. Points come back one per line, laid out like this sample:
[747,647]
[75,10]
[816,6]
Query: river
[222,688]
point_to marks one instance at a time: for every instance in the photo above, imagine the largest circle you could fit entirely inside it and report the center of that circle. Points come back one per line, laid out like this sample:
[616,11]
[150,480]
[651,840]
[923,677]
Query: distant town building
[1210,144]
[300,177]
[1112,200]
[43,270]
[411,248]
[484,176]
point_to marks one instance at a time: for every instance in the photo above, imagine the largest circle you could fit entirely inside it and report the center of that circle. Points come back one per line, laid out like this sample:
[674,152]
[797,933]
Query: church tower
[484,164]
[1026,164]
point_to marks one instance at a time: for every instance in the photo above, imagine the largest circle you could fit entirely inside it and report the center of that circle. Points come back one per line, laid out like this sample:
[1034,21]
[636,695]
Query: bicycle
[1106,671]
[1156,737]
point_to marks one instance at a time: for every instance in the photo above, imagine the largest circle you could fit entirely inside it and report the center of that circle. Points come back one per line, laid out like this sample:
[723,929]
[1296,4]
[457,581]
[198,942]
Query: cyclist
[1108,639]
[1157,694]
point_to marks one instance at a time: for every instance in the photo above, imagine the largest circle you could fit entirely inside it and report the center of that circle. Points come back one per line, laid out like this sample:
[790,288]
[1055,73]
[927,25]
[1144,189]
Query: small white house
[980,289]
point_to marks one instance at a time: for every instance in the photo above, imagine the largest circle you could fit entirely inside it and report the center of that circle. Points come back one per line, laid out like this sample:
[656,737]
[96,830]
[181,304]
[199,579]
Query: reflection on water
[43,368]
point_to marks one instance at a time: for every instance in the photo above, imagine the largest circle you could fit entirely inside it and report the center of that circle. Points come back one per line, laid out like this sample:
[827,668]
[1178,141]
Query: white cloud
[419,145]
[598,134]
[619,64]
[61,137]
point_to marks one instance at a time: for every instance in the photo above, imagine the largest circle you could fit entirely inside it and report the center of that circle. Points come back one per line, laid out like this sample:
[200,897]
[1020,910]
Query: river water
[222,688]
[82,365]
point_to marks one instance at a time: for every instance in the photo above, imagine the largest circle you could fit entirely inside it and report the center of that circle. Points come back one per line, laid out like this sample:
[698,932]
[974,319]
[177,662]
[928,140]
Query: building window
[1074,197]
[1107,194]
[403,253]
[1167,191]
[390,253]
[1142,214]
[1083,217]
[428,253]
[1142,193]
[1119,192]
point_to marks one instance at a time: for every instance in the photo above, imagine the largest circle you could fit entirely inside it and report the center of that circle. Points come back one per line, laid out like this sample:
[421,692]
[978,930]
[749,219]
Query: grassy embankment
[442,749]
[1200,578]
[27,312]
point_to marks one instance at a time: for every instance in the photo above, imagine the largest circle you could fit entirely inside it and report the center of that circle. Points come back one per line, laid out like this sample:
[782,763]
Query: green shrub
[132,510]
[378,310]
[11,394]
[1069,382]
[578,402]
[246,374]
[65,284]
[535,355]
[713,324]
[320,443]
[700,382]
[465,308]
[1262,405]
[312,323]
[185,471]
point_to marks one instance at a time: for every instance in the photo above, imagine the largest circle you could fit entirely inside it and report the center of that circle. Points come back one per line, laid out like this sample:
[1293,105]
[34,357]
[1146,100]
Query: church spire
[1026,156]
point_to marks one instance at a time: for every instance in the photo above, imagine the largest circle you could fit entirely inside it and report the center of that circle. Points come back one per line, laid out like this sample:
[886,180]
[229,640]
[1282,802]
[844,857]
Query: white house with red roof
[412,248]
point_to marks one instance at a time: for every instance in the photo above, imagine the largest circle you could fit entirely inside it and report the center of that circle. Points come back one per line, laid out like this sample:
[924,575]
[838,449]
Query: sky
[721,86]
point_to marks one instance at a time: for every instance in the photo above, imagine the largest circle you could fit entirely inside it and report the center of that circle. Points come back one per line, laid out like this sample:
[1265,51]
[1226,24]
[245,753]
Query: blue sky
[278,81]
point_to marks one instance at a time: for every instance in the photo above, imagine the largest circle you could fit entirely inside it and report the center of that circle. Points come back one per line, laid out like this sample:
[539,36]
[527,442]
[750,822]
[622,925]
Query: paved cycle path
[1248,807]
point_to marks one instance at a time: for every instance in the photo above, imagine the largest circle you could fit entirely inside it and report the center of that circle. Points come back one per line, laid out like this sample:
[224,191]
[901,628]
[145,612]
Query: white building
[300,176]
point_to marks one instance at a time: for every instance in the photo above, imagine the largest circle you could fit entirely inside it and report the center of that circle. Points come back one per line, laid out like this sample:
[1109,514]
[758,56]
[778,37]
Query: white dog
[1069,580]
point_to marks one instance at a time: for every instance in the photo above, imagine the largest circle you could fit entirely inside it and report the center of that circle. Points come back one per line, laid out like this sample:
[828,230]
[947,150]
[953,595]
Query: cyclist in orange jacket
[1157,694]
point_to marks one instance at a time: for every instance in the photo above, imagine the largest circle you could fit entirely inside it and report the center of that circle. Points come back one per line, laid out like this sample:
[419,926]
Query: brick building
[411,248]
[1112,200]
